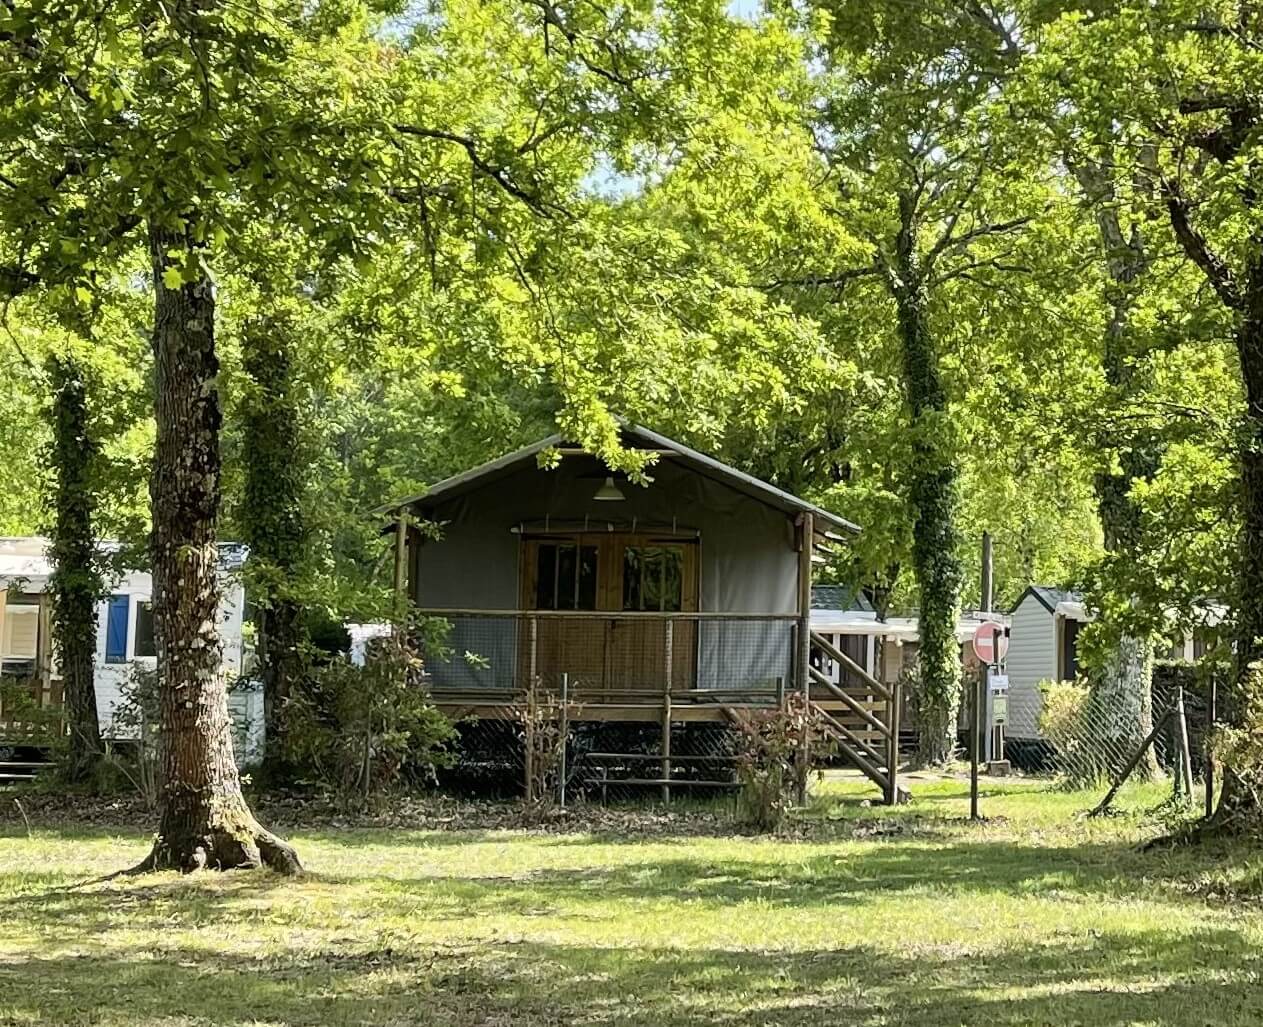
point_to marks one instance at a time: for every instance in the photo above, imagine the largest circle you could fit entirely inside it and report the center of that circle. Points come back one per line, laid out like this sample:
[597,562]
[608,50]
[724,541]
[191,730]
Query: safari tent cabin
[683,598]
[125,640]
[1043,646]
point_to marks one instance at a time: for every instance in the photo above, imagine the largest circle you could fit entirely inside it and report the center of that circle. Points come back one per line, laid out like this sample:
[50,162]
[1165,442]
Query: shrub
[769,766]
[544,728]
[1066,722]
[359,731]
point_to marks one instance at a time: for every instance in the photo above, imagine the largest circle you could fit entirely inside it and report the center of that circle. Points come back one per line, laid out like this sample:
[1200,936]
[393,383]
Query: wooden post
[1185,758]
[892,769]
[668,643]
[528,737]
[806,533]
[1211,713]
[44,649]
[401,560]
[532,630]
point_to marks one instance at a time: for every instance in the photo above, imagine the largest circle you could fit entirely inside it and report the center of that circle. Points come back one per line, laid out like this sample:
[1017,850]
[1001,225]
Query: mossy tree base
[227,838]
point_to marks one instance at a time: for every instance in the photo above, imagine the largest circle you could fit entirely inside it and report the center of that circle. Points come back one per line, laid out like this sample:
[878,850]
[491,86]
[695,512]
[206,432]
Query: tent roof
[635,437]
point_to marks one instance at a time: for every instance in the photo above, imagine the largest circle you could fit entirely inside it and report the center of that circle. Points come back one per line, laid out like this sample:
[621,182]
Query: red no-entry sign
[986,636]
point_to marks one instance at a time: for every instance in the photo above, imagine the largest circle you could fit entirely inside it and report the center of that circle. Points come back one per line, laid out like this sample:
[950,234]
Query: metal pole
[1211,713]
[974,740]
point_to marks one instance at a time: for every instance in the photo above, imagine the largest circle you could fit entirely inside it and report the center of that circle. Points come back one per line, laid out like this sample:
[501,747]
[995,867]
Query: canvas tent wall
[1042,647]
[743,531]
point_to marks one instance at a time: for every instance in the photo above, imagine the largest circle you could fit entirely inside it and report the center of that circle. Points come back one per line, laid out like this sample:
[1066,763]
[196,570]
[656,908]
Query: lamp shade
[609,492]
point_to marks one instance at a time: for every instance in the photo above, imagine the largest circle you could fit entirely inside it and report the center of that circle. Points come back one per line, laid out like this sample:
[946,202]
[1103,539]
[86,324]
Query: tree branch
[496,172]
[1197,248]
[835,280]
[950,241]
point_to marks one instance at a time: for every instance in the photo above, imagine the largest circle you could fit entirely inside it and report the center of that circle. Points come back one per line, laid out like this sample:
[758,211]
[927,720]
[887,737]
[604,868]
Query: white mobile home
[884,648]
[1043,646]
[125,639]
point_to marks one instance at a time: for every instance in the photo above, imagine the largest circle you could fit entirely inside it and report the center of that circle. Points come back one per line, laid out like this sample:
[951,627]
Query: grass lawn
[907,917]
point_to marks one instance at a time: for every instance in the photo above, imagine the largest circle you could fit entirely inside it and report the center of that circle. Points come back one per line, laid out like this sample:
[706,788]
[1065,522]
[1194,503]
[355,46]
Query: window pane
[567,583]
[144,630]
[672,579]
[546,577]
[632,571]
[651,578]
[587,578]
[21,633]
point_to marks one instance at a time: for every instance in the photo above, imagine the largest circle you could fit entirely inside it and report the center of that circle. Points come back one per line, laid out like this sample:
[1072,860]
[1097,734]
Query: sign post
[990,646]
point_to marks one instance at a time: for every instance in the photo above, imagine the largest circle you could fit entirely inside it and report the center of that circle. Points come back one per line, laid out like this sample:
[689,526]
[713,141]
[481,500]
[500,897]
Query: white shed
[1043,646]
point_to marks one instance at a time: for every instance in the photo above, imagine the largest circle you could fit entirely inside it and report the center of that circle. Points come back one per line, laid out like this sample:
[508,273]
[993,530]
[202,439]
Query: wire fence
[605,656]
[590,761]
[1089,737]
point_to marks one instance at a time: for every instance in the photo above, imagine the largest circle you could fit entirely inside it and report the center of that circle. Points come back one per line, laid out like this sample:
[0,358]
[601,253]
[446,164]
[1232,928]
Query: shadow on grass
[710,882]
[1111,979]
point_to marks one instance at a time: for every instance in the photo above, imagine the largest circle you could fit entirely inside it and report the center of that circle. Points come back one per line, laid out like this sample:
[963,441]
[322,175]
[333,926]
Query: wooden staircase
[863,722]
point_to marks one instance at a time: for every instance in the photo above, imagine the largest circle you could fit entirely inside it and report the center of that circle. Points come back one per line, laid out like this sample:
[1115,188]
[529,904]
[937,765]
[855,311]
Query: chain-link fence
[1091,736]
[604,761]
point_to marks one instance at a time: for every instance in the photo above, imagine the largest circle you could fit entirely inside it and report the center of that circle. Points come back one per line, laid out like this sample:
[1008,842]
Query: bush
[544,728]
[359,731]
[1066,722]
[769,766]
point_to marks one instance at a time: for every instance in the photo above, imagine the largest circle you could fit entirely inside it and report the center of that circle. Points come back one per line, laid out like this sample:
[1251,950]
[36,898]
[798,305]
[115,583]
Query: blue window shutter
[116,630]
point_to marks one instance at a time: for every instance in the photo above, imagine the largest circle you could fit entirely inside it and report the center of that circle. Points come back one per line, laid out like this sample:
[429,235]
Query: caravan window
[21,632]
[144,629]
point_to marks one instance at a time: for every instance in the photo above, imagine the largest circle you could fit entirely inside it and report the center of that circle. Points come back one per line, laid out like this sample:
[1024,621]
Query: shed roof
[839,597]
[1055,600]
[634,436]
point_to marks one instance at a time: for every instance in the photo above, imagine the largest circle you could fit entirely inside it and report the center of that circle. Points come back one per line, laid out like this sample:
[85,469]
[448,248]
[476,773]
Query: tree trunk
[1241,705]
[273,517]
[1121,703]
[204,820]
[933,494]
[75,585]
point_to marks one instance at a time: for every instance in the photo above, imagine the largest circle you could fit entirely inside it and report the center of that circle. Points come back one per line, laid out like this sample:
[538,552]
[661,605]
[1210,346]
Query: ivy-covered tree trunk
[1121,701]
[75,584]
[273,516]
[933,495]
[204,820]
